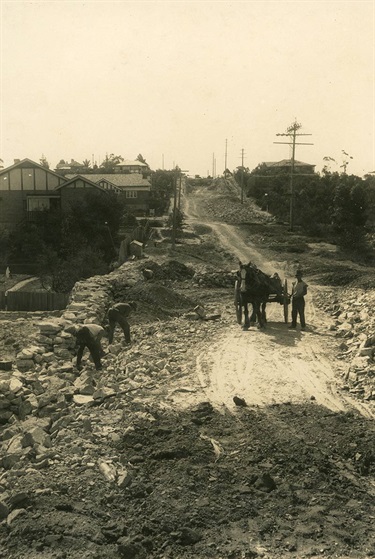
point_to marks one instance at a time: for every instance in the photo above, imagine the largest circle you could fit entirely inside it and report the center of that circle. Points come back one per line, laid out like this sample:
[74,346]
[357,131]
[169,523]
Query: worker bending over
[118,314]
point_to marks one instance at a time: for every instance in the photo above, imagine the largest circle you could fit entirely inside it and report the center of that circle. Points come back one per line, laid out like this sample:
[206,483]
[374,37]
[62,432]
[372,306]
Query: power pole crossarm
[292,133]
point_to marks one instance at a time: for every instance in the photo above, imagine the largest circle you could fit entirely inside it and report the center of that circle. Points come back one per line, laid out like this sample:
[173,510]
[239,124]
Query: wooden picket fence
[33,301]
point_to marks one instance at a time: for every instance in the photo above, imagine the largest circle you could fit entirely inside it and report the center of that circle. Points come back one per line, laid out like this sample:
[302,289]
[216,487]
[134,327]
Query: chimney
[16,161]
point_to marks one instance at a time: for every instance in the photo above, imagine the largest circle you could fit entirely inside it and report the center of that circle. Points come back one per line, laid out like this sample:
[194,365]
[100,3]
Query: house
[134,186]
[285,165]
[72,190]
[128,166]
[64,167]
[27,188]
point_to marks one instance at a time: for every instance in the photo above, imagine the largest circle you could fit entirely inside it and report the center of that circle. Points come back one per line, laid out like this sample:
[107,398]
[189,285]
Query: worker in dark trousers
[299,291]
[88,335]
[85,338]
[118,314]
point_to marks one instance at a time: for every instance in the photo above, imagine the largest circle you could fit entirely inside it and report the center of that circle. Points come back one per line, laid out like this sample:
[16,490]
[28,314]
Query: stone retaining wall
[44,368]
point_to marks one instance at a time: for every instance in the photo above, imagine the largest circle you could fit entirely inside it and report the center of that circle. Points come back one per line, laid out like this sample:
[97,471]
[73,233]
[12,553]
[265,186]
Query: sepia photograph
[187,279]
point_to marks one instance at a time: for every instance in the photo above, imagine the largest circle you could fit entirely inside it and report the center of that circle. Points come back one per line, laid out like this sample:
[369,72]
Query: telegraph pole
[242,176]
[178,173]
[226,154]
[174,209]
[179,193]
[292,133]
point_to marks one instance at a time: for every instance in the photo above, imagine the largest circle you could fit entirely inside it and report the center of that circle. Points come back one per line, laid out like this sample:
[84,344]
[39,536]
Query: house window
[37,204]
[131,194]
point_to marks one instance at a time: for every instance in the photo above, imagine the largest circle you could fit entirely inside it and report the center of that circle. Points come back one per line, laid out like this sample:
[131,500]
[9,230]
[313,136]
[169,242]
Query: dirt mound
[222,186]
[159,296]
[171,270]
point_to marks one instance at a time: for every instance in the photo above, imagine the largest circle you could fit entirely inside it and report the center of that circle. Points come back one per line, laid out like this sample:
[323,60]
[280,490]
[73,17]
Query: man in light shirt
[299,291]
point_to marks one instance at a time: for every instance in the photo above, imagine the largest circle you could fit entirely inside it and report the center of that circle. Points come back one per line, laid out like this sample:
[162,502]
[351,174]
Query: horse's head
[249,275]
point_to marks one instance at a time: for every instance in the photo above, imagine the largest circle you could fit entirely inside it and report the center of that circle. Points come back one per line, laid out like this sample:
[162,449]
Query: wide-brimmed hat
[298,273]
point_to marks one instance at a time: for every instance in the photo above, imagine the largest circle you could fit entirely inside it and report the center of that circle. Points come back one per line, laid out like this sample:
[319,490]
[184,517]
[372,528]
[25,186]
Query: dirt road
[274,365]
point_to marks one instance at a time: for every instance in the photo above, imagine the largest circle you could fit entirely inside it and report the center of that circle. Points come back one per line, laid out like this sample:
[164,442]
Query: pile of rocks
[42,379]
[232,211]
[51,351]
[354,323]
[215,278]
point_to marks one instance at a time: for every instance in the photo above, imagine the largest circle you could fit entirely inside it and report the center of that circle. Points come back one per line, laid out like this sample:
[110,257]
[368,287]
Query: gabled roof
[72,163]
[28,162]
[132,180]
[287,163]
[131,163]
[84,179]
[63,166]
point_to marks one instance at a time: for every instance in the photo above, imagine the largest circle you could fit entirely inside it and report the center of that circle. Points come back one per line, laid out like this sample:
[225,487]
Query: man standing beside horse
[299,291]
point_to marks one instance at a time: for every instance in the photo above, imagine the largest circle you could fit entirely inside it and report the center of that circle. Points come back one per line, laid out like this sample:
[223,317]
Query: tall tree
[43,161]
[110,162]
[162,188]
[141,158]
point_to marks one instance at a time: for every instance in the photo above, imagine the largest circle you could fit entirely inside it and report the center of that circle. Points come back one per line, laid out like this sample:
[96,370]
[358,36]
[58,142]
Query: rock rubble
[42,397]
[353,316]
[122,475]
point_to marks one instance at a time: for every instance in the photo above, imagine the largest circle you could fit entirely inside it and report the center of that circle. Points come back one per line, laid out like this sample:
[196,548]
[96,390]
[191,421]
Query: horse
[255,289]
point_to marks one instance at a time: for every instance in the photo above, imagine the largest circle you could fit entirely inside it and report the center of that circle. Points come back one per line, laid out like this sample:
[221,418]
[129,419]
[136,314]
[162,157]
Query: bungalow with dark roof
[27,188]
[72,190]
[134,186]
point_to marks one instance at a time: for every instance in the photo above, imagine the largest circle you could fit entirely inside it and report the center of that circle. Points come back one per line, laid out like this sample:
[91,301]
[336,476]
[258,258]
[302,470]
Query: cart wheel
[286,302]
[237,302]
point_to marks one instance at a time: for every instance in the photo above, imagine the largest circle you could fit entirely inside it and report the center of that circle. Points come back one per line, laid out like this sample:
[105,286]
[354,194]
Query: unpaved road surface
[274,365]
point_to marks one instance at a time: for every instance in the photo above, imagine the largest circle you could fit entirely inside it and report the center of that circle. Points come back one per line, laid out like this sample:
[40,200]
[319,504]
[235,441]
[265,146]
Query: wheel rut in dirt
[274,365]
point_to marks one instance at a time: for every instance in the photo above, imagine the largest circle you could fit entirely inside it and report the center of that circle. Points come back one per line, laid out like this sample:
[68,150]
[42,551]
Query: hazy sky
[82,79]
